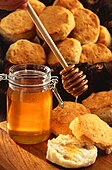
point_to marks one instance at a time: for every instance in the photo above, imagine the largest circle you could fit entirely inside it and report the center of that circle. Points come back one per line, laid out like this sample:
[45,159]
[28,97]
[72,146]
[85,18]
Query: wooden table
[32,157]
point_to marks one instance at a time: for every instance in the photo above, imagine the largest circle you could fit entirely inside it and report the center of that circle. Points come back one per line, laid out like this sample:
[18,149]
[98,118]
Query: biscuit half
[68,152]
[91,129]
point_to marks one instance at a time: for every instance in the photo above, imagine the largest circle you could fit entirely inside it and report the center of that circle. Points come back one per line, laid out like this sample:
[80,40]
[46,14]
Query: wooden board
[32,157]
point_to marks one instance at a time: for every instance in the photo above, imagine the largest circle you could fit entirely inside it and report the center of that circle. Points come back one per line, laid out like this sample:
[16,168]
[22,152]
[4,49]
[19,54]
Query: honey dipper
[73,80]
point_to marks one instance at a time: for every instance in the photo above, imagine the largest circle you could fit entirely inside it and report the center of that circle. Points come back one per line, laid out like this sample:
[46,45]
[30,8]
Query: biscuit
[61,118]
[87,26]
[58,21]
[24,52]
[91,129]
[37,6]
[93,53]
[70,49]
[17,25]
[71,4]
[68,152]
[100,103]
[104,36]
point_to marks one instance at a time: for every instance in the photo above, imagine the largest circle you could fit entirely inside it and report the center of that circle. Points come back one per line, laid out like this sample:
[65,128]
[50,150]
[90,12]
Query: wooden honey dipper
[73,80]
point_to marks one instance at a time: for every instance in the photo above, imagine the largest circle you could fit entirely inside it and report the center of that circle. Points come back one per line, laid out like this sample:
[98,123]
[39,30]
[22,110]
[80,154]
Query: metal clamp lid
[54,81]
[3,77]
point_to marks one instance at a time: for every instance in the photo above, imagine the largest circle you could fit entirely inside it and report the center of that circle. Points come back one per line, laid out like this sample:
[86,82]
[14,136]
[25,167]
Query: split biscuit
[24,52]
[61,117]
[17,25]
[70,49]
[104,36]
[92,130]
[68,152]
[100,103]
[87,26]
[93,53]
[71,4]
[58,21]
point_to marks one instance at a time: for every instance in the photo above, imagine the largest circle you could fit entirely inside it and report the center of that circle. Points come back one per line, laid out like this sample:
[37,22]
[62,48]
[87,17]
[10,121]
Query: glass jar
[29,103]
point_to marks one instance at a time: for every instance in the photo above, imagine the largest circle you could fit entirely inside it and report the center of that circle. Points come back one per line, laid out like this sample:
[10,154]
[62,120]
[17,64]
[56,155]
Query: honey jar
[29,103]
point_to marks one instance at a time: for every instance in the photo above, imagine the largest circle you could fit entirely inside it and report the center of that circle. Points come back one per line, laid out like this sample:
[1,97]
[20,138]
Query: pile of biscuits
[75,30]
[99,104]
[81,130]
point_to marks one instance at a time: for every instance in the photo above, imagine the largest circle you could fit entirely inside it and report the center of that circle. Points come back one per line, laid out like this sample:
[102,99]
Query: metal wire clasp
[3,77]
[54,81]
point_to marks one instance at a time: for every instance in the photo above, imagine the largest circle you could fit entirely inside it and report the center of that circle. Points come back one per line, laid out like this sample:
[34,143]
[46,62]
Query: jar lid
[29,75]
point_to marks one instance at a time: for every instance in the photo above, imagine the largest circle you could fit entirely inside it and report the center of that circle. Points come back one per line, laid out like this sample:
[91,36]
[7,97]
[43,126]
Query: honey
[29,116]
[29,103]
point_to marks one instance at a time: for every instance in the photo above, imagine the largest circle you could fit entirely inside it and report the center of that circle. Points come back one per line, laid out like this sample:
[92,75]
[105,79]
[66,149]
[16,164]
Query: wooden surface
[32,157]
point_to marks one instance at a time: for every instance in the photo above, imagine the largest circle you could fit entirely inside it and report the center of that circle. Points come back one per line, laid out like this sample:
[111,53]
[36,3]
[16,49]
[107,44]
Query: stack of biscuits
[81,130]
[95,40]
[75,29]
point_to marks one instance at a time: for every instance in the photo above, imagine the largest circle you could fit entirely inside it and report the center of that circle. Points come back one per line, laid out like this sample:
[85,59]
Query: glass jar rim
[19,71]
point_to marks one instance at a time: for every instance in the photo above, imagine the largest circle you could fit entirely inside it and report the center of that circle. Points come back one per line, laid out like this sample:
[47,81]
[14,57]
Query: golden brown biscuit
[69,4]
[58,21]
[17,25]
[87,26]
[91,129]
[93,53]
[70,49]
[61,118]
[37,6]
[24,52]
[104,36]
[100,103]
